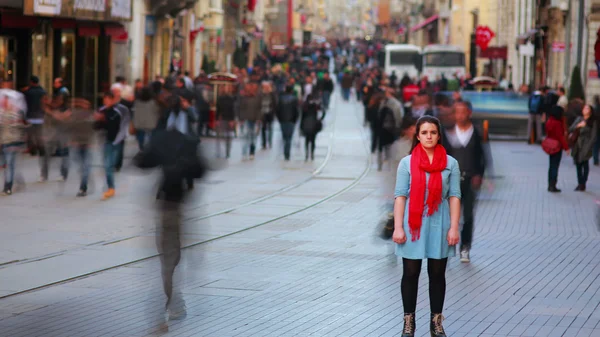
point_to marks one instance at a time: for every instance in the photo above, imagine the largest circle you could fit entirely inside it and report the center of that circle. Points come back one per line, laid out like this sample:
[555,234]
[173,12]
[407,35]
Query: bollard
[486,131]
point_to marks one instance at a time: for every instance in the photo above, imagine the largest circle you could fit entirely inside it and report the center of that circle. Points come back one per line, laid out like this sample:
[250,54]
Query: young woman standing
[426,220]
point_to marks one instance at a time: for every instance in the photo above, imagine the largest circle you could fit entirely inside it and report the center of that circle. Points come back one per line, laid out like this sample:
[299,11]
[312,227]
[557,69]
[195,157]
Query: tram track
[314,176]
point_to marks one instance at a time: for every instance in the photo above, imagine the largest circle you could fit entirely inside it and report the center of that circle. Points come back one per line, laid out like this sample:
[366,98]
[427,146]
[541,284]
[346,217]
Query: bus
[402,59]
[443,59]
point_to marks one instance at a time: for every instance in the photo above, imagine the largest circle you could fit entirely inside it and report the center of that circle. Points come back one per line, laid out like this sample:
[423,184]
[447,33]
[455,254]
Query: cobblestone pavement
[324,272]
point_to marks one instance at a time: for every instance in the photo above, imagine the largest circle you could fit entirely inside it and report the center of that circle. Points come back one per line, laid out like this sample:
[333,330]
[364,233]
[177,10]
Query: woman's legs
[437,293]
[437,284]
[410,284]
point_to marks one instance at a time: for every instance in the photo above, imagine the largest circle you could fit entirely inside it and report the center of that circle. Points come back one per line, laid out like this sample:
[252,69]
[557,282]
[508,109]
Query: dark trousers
[583,171]
[469,199]
[287,130]
[553,168]
[168,243]
[266,133]
[309,145]
[35,141]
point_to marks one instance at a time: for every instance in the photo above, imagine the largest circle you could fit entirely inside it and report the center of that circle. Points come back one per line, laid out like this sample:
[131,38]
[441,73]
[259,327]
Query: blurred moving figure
[178,156]
[466,144]
[12,134]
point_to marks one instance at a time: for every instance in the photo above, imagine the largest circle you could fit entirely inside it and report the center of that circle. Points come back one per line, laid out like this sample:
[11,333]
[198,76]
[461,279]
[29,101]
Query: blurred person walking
[35,96]
[146,115]
[465,143]
[54,135]
[227,104]
[250,116]
[12,135]
[582,135]
[288,111]
[109,119]
[268,106]
[177,155]
[426,208]
[311,124]
[554,144]
[81,130]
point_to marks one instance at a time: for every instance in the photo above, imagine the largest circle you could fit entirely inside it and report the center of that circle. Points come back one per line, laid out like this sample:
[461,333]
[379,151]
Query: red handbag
[551,146]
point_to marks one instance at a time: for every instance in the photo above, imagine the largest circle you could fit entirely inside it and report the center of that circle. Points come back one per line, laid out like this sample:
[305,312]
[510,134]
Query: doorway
[8,62]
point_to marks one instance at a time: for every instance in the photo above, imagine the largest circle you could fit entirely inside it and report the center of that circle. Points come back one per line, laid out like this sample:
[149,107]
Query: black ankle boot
[580,188]
[436,328]
[409,325]
[552,188]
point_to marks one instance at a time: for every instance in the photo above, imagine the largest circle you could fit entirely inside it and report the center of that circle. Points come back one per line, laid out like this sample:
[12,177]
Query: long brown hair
[426,119]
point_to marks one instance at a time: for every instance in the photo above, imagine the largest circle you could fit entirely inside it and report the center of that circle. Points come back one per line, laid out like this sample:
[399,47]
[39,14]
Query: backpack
[535,104]
[388,120]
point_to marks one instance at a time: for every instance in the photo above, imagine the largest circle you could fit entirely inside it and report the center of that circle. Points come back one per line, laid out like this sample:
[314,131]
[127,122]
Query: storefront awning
[116,32]
[430,20]
[64,24]
[88,29]
[11,19]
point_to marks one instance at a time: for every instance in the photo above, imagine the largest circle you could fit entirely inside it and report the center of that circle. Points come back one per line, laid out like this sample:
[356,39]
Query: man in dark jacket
[288,111]
[465,143]
[34,96]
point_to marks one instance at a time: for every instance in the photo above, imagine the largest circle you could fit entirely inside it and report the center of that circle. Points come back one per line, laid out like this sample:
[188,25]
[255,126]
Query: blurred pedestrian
[250,116]
[555,131]
[109,119]
[311,124]
[12,136]
[583,134]
[288,112]
[145,116]
[268,105]
[177,154]
[227,104]
[465,143]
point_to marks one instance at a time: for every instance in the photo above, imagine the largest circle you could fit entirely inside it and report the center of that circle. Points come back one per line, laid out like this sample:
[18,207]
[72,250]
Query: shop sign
[96,10]
[558,47]
[150,25]
[47,7]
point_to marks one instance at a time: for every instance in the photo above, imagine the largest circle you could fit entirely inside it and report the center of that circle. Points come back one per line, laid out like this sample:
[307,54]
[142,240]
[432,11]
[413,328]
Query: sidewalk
[322,272]
[67,237]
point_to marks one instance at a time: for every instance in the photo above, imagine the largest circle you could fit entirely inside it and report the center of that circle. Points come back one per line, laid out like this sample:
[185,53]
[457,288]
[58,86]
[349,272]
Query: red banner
[483,37]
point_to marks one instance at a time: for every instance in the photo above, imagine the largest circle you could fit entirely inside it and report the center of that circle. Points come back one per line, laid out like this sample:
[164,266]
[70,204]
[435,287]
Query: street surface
[293,250]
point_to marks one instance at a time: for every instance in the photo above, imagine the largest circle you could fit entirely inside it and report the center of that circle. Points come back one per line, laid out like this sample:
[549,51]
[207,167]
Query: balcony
[168,7]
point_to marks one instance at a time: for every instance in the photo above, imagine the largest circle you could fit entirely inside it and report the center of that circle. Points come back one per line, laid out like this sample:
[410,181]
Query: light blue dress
[433,243]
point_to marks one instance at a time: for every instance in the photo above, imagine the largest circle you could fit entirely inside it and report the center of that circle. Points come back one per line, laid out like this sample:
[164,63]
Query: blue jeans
[346,94]
[326,99]
[84,156]
[142,137]
[287,130]
[10,159]
[596,151]
[111,151]
[249,136]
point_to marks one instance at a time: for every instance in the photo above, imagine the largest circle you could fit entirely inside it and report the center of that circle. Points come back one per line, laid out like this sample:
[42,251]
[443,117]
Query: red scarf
[419,166]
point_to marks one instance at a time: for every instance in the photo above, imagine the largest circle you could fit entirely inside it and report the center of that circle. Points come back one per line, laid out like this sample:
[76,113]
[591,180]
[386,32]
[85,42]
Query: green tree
[576,89]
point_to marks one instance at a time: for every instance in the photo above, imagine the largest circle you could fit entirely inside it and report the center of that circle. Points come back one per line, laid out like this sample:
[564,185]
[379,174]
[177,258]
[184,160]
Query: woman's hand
[453,236]
[581,124]
[399,236]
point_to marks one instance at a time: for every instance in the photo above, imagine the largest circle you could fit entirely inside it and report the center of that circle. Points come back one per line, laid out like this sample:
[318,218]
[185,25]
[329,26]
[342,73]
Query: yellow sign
[97,10]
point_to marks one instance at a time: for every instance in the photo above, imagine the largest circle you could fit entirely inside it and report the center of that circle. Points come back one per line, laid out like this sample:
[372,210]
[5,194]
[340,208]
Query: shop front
[73,41]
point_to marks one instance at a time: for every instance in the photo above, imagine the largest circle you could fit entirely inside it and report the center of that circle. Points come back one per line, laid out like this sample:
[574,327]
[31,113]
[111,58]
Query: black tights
[437,284]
